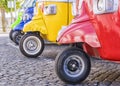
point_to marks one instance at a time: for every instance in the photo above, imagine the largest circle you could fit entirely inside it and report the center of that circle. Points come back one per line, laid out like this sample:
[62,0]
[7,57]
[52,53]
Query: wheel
[10,34]
[73,65]
[31,45]
[17,35]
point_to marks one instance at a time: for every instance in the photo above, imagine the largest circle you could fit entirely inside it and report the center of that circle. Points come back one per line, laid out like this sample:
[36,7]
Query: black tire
[31,40]
[10,34]
[71,71]
[17,35]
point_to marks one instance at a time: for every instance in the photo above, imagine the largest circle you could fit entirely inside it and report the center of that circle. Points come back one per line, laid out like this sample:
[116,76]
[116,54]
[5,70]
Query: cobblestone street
[18,70]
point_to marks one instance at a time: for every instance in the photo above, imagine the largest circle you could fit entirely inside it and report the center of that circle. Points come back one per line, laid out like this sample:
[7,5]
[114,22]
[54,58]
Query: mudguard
[80,32]
[35,25]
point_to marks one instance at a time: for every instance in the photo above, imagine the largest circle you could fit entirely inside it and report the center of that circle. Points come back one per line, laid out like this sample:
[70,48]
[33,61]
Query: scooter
[95,31]
[25,16]
[50,17]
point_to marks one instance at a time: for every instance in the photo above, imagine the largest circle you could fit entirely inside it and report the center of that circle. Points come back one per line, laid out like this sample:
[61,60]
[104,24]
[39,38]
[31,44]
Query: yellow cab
[50,16]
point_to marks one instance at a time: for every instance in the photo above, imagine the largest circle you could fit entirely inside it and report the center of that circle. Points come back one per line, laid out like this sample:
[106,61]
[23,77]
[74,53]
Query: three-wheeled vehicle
[24,16]
[19,18]
[51,16]
[95,31]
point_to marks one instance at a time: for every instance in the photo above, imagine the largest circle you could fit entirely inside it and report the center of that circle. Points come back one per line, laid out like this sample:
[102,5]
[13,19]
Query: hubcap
[74,66]
[32,45]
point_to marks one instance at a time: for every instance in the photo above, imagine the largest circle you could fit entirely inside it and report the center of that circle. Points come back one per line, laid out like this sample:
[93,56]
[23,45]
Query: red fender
[80,30]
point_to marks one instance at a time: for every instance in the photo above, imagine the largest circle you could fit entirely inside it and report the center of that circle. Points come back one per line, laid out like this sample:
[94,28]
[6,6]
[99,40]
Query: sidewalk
[4,34]
[7,30]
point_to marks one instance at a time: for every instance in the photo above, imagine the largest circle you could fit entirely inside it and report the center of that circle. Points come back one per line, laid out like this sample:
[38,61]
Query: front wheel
[31,45]
[73,65]
[17,35]
[10,34]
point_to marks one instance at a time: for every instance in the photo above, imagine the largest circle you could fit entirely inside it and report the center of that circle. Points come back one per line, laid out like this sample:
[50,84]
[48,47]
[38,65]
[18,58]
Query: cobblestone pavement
[17,70]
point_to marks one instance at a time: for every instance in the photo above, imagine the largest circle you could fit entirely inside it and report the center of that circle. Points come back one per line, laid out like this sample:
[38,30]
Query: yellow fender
[35,25]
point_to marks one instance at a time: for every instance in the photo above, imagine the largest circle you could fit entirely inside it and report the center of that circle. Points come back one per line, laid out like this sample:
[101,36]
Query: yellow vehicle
[50,17]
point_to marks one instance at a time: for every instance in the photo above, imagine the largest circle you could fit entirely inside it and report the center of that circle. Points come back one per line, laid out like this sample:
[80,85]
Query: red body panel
[107,27]
[81,30]
[85,27]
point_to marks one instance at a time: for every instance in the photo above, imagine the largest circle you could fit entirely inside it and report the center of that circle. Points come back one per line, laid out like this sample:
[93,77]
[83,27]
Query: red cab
[94,31]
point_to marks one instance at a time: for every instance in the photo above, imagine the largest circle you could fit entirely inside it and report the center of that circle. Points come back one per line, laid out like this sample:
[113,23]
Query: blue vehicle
[16,33]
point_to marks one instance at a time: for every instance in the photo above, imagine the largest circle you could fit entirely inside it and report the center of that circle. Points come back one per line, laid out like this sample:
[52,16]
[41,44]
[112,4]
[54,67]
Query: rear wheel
[31,45]
[73,65]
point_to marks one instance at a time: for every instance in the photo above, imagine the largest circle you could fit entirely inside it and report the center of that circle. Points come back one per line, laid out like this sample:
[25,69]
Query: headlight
[100,5]
[26,17]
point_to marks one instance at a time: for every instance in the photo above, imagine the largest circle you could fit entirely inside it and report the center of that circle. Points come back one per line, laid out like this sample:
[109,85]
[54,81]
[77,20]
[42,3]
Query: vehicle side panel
[107,27]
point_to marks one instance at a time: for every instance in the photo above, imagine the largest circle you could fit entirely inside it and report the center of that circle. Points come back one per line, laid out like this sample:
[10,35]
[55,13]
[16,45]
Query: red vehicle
[95,31]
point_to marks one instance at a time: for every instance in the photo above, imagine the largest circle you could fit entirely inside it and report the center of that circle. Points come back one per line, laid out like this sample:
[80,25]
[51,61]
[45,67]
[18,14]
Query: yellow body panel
[34,26]
[49,25]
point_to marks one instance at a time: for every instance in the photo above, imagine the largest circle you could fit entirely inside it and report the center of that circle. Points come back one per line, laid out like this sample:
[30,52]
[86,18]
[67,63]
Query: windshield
[28,3]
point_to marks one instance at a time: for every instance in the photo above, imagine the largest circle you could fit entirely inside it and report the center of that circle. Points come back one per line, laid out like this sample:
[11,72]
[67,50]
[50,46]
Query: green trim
[18,20]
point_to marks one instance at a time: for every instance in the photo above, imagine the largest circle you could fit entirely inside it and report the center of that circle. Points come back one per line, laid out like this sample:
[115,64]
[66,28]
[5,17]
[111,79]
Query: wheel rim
[74,66]
[32,45]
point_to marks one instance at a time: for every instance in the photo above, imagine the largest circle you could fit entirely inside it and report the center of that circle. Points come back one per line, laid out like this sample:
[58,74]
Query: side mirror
[105,6]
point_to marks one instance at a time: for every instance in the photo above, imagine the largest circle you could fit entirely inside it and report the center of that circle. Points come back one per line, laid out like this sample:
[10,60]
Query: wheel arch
[79,32]
[35,26]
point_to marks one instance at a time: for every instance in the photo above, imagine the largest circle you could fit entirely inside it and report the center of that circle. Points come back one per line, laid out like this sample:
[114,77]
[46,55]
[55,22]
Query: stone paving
[17,70]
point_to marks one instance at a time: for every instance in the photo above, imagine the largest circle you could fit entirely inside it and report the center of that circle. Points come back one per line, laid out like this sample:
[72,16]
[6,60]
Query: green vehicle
[15,27]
